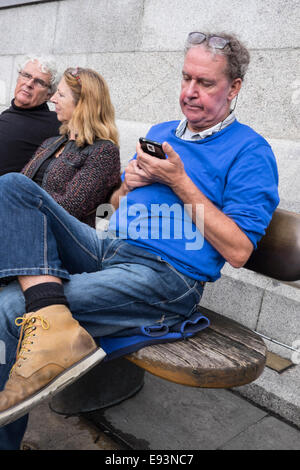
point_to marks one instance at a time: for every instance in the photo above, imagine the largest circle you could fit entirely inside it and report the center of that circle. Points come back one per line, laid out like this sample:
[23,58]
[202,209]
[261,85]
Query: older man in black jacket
[28,121]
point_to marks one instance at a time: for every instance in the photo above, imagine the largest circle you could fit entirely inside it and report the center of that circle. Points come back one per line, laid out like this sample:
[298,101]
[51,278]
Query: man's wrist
[181,185]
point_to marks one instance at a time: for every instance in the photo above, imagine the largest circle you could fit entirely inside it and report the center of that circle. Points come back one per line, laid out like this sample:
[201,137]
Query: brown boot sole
[52,388]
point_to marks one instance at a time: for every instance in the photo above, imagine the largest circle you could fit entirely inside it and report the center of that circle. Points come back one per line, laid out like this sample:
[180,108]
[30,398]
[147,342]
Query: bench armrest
[278,252]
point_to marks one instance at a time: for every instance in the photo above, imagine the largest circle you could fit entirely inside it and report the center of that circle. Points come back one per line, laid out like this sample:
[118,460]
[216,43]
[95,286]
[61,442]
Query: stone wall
[137,46]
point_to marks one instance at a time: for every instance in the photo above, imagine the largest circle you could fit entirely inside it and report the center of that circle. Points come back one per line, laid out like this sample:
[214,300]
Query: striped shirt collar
[183,132]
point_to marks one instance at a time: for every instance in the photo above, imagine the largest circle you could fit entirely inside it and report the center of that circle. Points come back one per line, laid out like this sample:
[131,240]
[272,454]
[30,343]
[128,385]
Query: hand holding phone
[152,148]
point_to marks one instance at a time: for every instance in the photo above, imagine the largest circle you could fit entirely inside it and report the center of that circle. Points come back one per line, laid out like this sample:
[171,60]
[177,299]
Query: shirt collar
[183,132]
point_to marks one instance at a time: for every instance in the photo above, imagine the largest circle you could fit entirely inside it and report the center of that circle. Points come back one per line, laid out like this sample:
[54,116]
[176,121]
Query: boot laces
[27,332]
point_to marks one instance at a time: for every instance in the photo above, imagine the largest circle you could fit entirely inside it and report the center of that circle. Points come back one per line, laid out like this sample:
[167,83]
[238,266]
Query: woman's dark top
[38,177]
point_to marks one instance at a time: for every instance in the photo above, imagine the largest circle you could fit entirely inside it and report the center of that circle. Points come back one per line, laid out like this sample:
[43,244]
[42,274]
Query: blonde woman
[81,167]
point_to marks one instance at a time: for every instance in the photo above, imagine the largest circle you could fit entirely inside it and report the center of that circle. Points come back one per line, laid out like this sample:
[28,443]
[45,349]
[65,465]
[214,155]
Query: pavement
[164,415]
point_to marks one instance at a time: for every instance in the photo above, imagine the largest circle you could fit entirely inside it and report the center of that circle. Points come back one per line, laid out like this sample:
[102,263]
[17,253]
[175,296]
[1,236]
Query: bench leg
[107,384]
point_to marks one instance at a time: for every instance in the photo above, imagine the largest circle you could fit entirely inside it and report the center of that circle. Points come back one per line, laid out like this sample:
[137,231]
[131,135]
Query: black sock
[43,295]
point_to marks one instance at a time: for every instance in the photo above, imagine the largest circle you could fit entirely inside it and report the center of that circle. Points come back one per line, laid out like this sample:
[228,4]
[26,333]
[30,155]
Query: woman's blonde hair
[94,114]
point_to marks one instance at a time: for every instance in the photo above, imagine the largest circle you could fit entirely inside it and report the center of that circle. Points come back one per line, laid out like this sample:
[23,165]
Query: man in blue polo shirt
[178,221]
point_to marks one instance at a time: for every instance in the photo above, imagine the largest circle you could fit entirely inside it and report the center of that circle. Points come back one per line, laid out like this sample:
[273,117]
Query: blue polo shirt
[235,168]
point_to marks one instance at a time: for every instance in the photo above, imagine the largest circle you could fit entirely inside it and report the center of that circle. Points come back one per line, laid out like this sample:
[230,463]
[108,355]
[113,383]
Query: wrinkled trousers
[110,284]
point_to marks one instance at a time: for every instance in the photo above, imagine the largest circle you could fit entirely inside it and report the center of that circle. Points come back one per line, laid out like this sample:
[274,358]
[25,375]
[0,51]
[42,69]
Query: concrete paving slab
[164,415]
[278,393]
[50,431]
[267,434]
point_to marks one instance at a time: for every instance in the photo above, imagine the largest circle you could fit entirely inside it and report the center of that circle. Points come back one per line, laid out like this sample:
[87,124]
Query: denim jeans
[110,284]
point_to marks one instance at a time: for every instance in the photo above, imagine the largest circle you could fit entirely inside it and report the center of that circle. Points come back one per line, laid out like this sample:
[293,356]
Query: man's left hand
[170,171]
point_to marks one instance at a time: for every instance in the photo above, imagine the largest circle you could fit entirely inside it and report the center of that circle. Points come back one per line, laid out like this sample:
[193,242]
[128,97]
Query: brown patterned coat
[80,179]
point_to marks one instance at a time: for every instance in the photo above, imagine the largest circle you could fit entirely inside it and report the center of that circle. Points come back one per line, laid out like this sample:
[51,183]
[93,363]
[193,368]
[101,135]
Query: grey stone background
[137,46]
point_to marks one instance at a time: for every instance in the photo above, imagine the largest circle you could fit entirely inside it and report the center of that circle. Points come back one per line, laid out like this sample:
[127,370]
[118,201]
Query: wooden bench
[227,354]
[224,355]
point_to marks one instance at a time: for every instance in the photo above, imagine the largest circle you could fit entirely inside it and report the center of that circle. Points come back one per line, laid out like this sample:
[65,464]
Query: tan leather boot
[53,351]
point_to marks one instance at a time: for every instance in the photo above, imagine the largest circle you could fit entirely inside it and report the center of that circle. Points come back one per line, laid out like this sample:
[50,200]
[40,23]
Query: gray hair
[47,65]
[238,56]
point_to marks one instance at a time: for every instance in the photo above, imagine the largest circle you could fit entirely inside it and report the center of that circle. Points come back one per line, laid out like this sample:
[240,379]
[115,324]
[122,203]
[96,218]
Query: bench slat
[233,330]
[278,252]
[224,355]
[227,354]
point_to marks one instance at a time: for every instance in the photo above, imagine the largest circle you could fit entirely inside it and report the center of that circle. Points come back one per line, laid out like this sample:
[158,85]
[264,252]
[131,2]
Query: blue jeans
[110,284]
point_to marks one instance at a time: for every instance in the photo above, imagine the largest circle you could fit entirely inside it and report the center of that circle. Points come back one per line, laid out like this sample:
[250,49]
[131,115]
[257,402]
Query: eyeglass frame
[37,81]
[208,39]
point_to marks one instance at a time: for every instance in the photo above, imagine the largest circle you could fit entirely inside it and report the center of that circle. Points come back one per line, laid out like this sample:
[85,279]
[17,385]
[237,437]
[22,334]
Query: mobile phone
[152,148]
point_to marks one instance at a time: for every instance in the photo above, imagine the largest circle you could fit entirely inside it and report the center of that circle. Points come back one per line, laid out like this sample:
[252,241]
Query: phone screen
[152,148]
